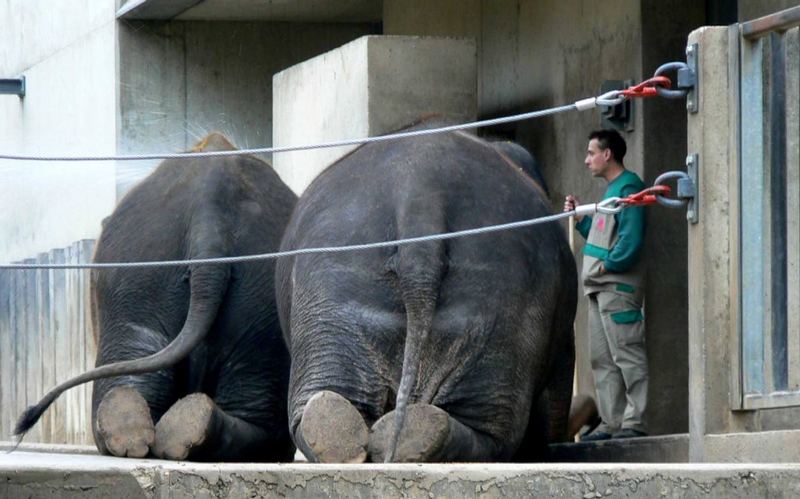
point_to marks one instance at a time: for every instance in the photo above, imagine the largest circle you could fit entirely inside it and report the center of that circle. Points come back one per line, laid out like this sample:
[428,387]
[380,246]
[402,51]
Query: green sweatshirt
[630,225]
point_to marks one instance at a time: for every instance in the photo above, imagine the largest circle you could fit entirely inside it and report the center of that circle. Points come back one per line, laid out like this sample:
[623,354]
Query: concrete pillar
[712,303]
[371,86]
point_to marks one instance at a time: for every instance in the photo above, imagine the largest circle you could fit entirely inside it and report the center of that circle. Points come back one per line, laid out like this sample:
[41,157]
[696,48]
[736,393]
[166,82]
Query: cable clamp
[585,104]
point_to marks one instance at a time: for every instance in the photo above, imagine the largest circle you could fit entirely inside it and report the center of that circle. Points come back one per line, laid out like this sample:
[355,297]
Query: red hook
[647,196]
[647,88]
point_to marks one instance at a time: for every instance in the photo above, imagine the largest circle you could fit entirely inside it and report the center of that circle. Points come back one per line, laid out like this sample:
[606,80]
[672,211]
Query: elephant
[195,348]
[446,350]
[522,158]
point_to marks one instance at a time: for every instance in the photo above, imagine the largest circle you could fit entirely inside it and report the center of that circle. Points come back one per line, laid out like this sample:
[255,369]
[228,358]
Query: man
[613,281]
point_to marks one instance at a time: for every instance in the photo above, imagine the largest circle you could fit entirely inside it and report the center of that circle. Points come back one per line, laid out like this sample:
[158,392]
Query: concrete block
[371,86]
[761,447]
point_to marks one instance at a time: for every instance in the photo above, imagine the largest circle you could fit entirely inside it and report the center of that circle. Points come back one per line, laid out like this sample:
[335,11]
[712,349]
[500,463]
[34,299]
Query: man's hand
[570,203]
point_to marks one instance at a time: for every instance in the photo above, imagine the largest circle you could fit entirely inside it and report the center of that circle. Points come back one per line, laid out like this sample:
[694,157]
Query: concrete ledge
[763,447]
[659,449]
[28,474]
[49,448]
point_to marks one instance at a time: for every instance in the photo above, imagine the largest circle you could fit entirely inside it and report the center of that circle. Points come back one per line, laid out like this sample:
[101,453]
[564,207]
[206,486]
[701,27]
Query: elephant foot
[124,423]
[422,437]
[332,430]
[184,427]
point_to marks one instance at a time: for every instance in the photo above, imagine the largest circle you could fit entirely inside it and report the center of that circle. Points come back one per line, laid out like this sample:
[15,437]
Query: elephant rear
[191,362]
[461,333]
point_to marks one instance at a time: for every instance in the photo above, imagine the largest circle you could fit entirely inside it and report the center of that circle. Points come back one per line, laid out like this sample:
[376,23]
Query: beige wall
[534,54]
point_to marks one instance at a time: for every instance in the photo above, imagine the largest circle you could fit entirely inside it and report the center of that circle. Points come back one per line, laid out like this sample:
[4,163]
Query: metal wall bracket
[13,86]
[619,117]
[690,78]
[688,188]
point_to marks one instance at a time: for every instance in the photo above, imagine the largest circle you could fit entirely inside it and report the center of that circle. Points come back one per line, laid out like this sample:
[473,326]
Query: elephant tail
[207,289]
[420,269]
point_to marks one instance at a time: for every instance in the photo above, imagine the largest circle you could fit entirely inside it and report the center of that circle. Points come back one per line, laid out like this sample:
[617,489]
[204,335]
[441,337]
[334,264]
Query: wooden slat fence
[46,338]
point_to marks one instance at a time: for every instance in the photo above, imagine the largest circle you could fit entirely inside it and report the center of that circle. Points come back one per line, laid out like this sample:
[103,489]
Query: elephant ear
[214,141]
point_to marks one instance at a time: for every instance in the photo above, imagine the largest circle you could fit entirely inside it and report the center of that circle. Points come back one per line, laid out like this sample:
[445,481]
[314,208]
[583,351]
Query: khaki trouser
[619,360]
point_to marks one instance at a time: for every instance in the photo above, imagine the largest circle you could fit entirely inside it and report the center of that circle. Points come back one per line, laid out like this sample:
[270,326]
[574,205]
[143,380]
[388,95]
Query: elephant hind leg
[430,434]
[195,428]
[332,430]
[124,407]
[123,425]
[184,428]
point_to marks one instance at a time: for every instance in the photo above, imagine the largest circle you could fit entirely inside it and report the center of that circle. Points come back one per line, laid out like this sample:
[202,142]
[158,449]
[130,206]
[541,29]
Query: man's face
[597,160]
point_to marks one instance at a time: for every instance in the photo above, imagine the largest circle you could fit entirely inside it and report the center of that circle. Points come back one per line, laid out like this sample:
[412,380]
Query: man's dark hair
[611,139]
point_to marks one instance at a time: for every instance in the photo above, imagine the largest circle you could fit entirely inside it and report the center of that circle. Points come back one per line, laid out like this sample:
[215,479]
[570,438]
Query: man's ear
[607,154]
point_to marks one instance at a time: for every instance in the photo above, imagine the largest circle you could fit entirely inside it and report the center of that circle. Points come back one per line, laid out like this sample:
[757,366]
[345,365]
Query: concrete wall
[751,9]
[710,325]
[66,50]
[533,54]
[665,27]
[212,76]
[371,86]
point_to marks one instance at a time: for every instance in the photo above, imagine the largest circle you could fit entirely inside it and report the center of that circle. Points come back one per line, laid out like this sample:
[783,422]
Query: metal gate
[769,211]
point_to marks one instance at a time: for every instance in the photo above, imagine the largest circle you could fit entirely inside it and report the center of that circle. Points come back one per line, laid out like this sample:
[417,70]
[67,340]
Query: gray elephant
[196,349]
[454,350]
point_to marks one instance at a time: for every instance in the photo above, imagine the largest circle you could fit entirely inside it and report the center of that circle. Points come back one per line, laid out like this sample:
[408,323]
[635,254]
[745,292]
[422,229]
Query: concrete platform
[656,449]
[28,473]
